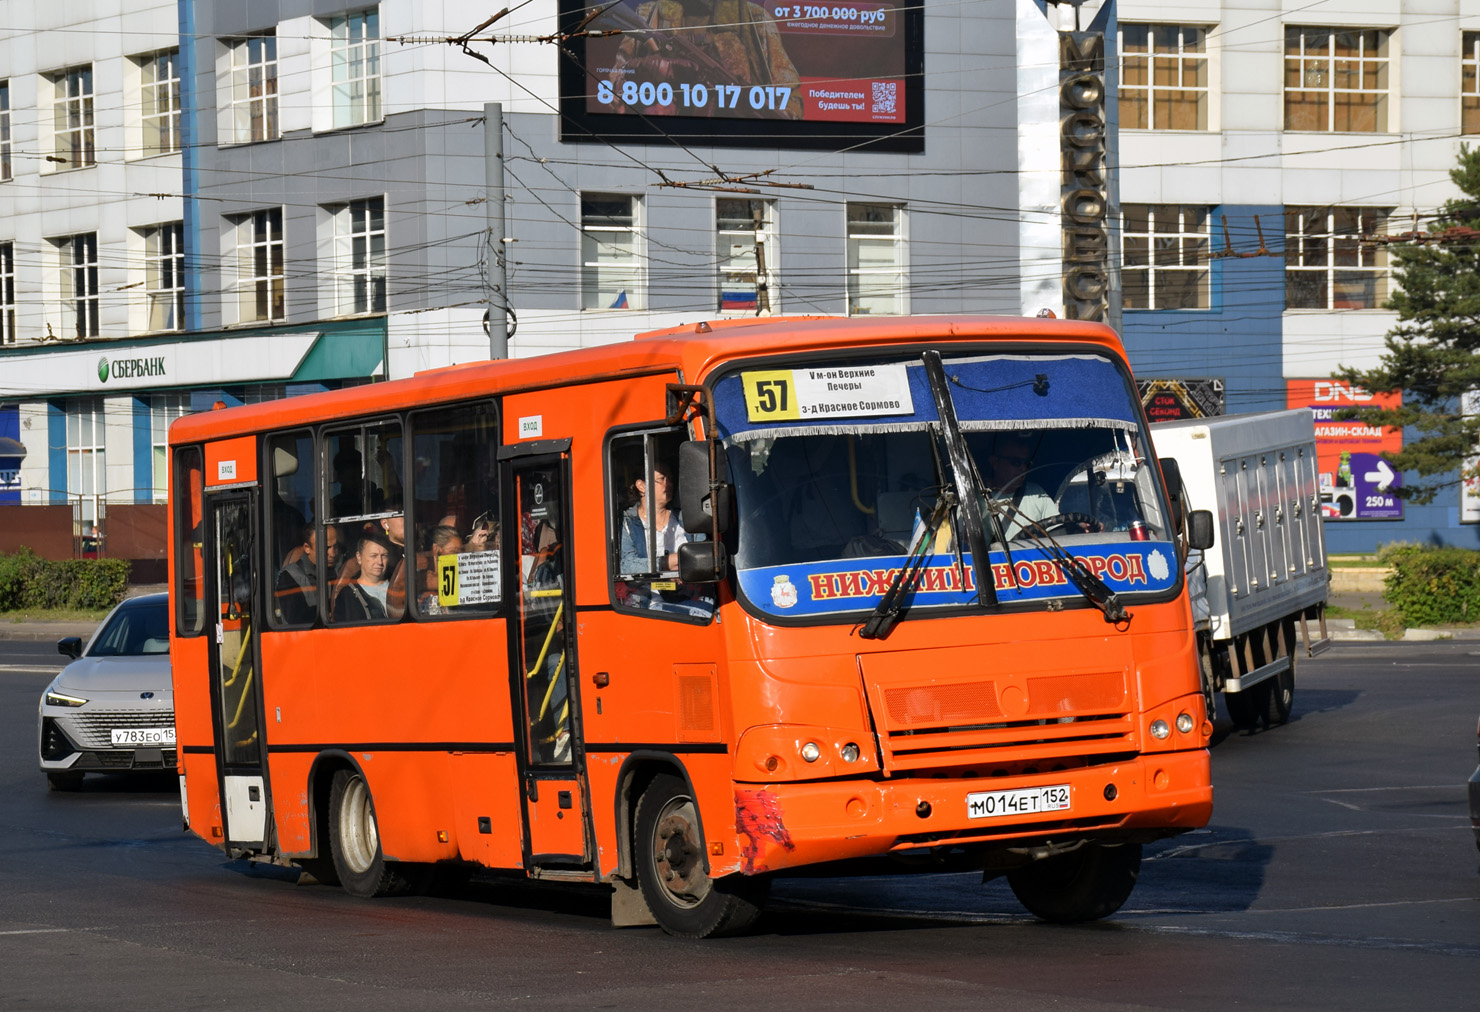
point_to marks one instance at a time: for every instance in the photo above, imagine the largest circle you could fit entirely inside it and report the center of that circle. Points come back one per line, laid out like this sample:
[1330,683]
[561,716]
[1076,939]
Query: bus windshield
[837,465]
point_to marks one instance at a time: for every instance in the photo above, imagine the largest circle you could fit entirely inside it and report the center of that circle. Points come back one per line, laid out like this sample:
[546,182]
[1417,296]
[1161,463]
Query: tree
[1431,353]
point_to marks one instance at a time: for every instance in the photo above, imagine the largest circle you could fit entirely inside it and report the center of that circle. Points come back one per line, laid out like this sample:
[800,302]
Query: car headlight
[55,698]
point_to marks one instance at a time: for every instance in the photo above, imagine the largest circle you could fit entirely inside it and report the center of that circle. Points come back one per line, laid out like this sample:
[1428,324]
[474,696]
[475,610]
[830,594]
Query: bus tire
[669,855]
[1083,885]
[354,840]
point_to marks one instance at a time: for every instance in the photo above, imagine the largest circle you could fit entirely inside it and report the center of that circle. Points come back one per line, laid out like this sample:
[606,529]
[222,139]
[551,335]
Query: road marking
[1301,938]
[28,669]
[1364,790]
[37,931]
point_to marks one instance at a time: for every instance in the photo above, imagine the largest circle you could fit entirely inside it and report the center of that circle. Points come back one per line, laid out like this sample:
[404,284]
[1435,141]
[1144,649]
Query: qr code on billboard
[885,93]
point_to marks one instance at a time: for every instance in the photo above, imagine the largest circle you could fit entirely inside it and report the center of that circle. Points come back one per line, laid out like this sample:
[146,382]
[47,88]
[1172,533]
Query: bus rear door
[236,683]
[543,669]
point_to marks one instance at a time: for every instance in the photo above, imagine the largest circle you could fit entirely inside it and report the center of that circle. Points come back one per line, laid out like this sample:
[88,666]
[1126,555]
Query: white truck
[1259,594]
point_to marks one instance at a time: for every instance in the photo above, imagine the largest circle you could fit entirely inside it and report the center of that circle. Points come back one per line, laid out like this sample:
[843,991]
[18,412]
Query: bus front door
[543,672]
[236,685]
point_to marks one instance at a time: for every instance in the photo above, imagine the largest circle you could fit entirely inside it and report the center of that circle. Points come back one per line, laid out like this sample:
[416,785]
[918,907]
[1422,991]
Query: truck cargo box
[1264,581]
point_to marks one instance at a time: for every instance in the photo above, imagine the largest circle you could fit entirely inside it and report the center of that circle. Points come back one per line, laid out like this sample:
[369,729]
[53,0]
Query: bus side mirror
[70,646]
[1173,475]
[702,561]
[703,501]
[1200,529]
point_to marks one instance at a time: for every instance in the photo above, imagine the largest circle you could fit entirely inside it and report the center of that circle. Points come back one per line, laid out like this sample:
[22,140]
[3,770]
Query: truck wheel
[1243,709]
[1083,885]
[669,853]
[1277,696]
[1209,680]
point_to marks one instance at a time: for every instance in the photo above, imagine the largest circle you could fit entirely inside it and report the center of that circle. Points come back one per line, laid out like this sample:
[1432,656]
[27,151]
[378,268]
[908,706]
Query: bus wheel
[669,852]
[354,840]
[1082,885]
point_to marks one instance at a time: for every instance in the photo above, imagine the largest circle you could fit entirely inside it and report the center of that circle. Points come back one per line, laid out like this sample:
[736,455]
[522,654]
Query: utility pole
[498,276]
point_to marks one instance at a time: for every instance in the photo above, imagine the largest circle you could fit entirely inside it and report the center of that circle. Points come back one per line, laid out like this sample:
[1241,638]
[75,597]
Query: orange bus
[686,613]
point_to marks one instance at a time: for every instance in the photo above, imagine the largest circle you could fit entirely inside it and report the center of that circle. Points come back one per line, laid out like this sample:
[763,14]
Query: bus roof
[692,348]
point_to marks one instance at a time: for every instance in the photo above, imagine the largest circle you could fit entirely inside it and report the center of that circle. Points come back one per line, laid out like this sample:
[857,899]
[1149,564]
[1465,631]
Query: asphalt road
[1339,871]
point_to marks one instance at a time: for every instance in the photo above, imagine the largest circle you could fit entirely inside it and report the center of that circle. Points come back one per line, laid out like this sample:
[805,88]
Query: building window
[1469,84]
[72,117]
[1165,251]
[747,255]
[79,270]
[611,265]
[359,256]
[254,89]
[7,293]
[259,266]
[164,273]
[163,409]
[1163,77]
[876,278]
[1336,79]
[354,59]
[1326,265]
[159,99]
[87,482]
[5,167]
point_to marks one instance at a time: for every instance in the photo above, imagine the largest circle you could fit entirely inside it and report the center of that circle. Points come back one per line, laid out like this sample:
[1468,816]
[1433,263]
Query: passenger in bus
[363,599]
[296,590]
[483,535]
[394,530]
[670,533]
[445,541]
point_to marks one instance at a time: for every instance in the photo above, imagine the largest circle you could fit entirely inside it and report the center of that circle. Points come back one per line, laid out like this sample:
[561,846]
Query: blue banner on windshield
[852,585]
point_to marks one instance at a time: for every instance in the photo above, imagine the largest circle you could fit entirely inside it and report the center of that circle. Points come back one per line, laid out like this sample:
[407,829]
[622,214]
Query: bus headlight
[810,752]
[1184,722]
[1160,729]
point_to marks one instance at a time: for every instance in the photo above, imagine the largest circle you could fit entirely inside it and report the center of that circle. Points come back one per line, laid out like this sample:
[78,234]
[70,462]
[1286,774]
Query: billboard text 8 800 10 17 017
[834,75]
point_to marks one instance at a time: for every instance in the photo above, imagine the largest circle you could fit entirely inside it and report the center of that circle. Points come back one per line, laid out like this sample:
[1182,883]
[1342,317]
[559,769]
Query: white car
[112,709]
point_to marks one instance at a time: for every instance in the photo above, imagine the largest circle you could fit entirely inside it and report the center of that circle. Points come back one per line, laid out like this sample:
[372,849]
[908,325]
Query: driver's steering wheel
[1082,520]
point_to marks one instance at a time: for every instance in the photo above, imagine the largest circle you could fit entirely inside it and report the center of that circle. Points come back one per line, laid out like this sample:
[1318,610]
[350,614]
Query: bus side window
[188,491]
[453,502]
[642,472]
[294,541]
[362,487]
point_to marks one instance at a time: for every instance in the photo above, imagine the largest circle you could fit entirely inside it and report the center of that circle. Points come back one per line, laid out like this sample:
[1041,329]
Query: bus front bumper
[782,826]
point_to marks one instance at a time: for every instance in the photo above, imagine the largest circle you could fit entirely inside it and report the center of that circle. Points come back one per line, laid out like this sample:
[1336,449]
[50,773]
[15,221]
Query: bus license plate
[143,736]
[1024,801]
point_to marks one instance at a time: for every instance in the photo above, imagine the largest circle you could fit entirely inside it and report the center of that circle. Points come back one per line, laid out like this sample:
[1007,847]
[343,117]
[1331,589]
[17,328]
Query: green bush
[1433,586]
[28,581]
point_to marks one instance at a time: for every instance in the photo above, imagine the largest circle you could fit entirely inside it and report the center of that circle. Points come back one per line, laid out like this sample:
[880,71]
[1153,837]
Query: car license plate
[1024,801]
[143,736]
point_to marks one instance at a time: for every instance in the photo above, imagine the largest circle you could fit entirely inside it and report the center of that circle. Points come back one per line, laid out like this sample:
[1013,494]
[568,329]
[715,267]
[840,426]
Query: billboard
[1355,483]
[1171,400]
[733,72]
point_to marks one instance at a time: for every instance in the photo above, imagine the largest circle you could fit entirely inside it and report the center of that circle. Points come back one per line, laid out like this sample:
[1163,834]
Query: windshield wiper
[963,473]
[891,606]
[1095,591]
